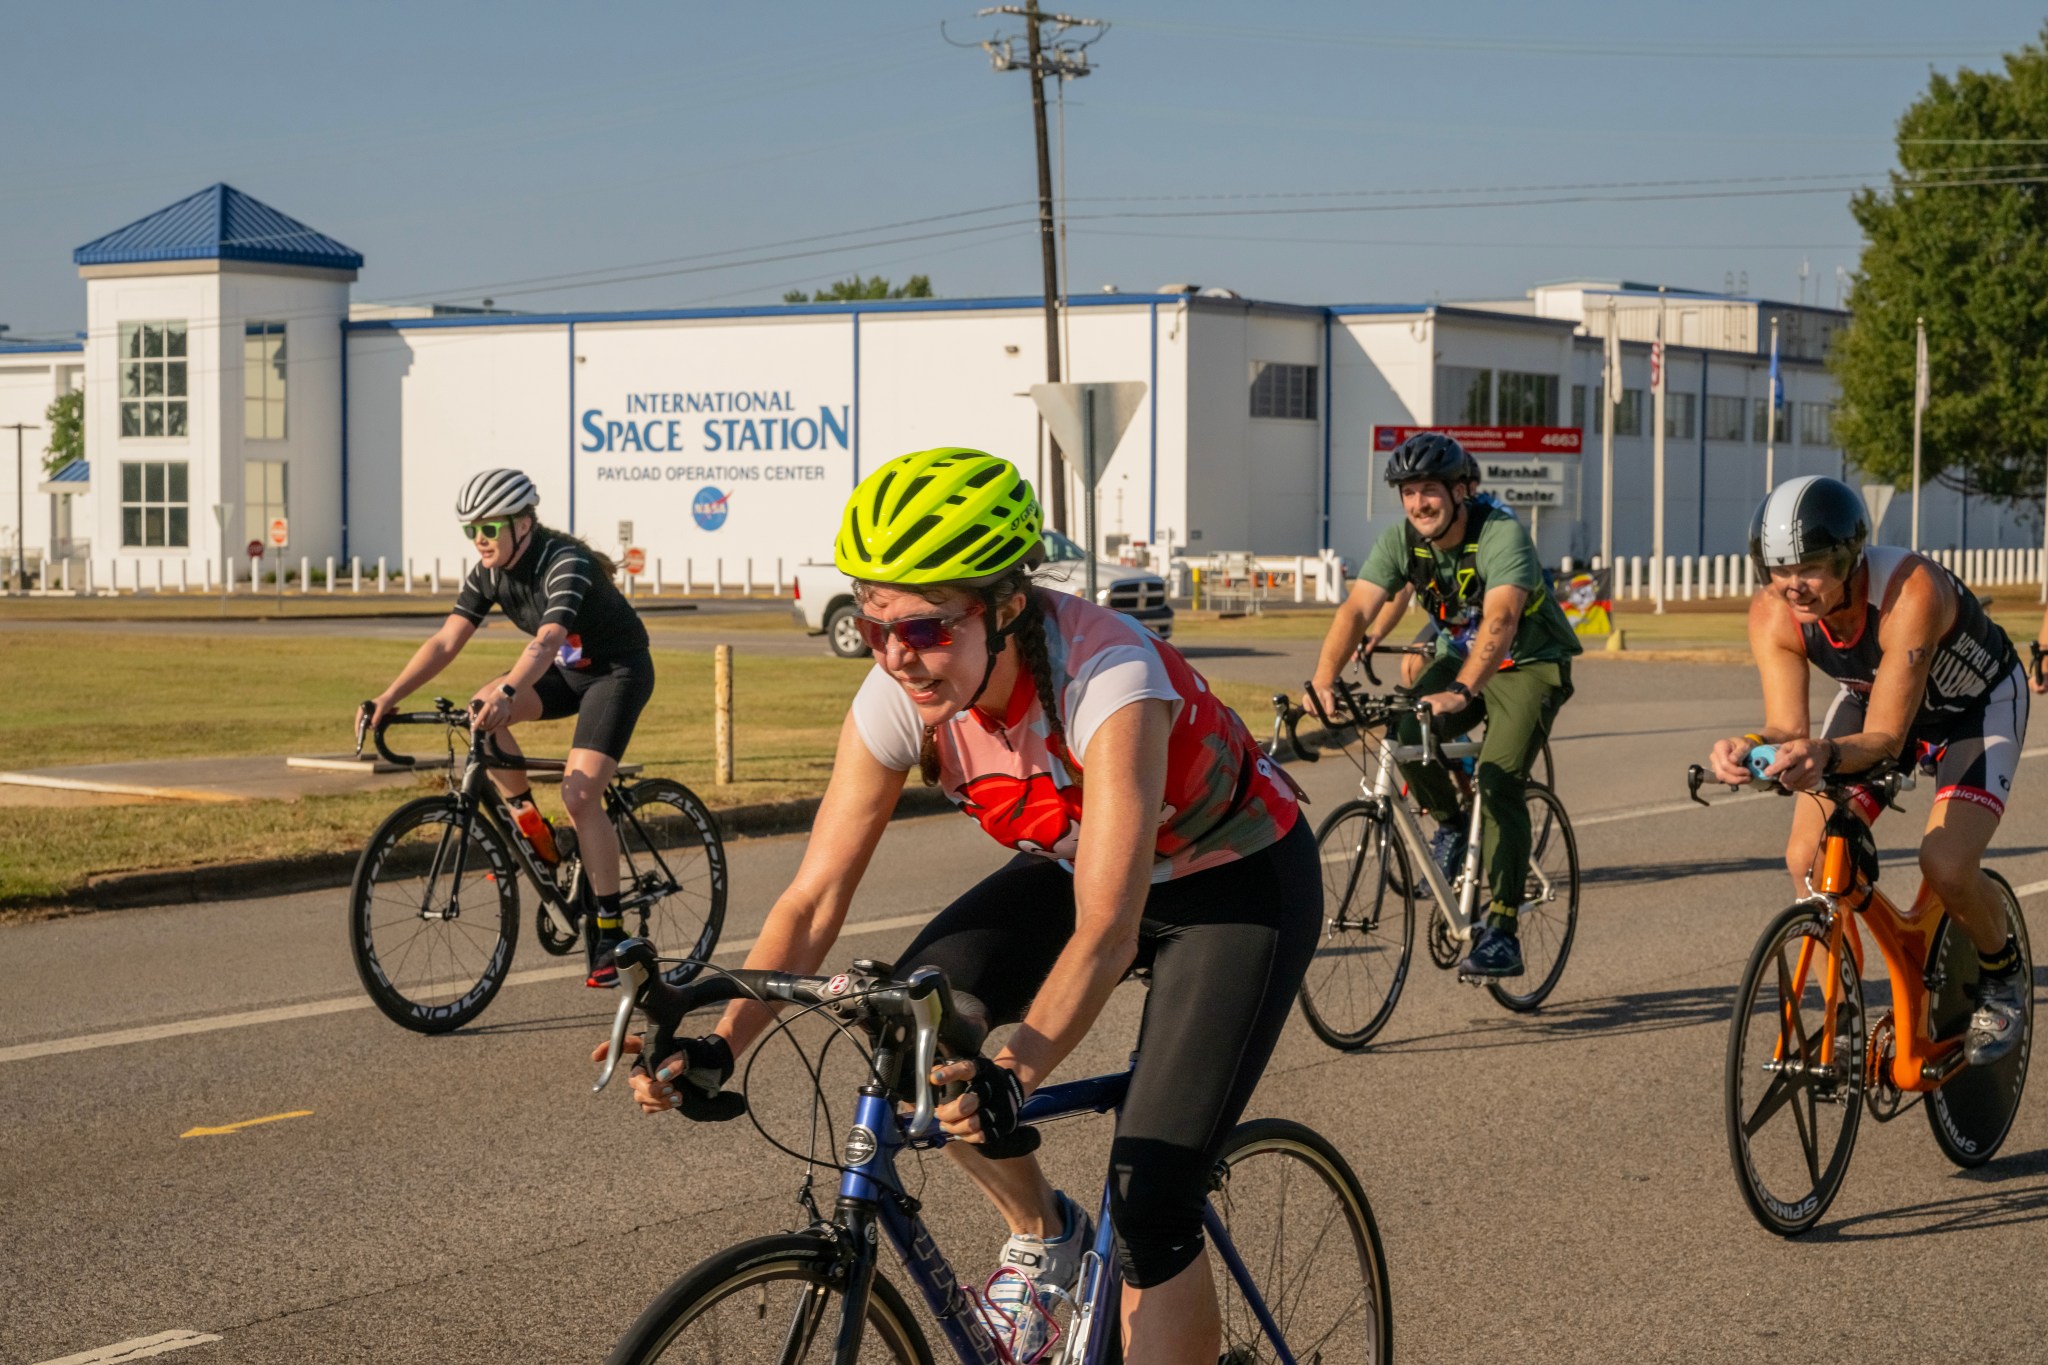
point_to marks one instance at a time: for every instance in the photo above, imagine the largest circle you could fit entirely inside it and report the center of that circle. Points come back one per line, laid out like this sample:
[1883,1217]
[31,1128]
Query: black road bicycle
[434,906]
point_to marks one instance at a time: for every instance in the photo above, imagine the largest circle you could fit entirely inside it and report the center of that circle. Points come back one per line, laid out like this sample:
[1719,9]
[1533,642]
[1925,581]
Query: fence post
[434,582]
[306,574]
[1300,572]
[718,576]
[355,574]
[408,574]
[383,576]
[1564,566]
[721,711]
[656,589]
[778,575]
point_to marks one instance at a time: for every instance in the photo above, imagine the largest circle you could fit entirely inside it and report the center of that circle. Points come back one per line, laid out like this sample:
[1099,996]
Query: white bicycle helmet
[496,493]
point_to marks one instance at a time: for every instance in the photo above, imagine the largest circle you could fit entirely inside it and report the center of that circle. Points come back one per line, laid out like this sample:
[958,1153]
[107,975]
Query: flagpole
[1771,413]
[1612,365]
[1919,407]
[1659,363]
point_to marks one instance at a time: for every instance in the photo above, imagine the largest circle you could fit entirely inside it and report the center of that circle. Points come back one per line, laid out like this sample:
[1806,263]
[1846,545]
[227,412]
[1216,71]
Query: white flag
[1920,367]
[1611,375]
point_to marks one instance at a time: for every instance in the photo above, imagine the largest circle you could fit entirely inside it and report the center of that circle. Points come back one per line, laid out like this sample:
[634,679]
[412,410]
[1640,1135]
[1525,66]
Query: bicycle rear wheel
[1791,1116]
[774,1299]
[1549,918]
[1368,936]
[672,872]
[1300,1223]
[434,914]
[1972,1114]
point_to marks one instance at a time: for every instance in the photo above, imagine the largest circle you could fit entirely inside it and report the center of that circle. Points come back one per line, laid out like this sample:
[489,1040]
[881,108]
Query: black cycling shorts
[1227,948]
[1973,756]
[606,700]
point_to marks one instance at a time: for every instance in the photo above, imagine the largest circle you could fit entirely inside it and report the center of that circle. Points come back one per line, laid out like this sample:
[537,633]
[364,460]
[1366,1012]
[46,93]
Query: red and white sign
[255,549]
[635,560]
[1492,440]
[280,532]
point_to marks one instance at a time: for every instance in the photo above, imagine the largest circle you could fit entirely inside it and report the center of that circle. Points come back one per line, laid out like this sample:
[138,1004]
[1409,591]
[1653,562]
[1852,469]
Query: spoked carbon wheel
[672,872]
[1973,1112]
[1549,917]
[1368,934]
[434,915]
[1791,1110]
[776,1301]
[1300,1224]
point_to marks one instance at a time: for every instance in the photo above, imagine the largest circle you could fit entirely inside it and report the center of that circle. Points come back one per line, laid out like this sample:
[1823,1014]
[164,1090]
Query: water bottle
[537,831]
[1761,757]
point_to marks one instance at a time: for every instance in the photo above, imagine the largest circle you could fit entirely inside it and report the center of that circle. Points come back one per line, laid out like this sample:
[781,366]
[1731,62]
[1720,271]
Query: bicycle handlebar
[444,713]
[1884,781]
[925,999]
[1366,651]
[1367,712]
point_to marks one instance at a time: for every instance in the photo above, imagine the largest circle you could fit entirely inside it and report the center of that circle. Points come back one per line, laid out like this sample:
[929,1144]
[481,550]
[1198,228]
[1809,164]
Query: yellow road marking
[245,1123]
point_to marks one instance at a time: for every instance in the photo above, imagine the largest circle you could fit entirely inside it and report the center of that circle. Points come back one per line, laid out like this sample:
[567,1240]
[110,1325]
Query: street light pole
[20,508]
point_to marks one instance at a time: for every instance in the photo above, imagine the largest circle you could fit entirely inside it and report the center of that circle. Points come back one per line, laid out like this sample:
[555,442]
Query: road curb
[327,871]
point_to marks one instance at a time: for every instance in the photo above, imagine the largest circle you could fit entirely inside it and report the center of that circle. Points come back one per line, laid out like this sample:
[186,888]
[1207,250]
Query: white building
[224,369]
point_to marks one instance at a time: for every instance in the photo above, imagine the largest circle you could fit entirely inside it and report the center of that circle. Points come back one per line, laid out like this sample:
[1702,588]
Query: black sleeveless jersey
[1972,659]
[557,582]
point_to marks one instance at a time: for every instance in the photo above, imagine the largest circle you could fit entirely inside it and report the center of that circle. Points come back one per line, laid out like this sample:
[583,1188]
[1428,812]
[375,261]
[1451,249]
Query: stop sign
[255,549]
[636,560]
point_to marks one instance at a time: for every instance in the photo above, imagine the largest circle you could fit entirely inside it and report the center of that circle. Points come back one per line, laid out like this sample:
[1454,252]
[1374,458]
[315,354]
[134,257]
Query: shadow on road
[1997,1206]
[1609,1015]
[1226,652]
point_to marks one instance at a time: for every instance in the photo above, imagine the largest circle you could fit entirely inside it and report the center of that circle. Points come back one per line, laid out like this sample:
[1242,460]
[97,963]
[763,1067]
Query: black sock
[610,919]
[2000,962]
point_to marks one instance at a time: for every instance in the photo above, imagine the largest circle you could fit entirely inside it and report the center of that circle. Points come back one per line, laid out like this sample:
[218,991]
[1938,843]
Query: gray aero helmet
[495,493]
[1809,518]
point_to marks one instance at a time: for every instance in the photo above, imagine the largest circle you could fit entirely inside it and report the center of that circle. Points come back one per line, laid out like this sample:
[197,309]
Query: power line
[1545,47]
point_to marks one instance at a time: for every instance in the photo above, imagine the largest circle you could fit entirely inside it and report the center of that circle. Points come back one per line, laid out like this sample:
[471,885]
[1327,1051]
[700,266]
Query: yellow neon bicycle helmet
[937,516]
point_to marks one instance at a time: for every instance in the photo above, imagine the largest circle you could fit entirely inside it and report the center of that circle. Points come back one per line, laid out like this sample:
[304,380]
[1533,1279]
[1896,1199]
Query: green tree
[854,288]
[1969,256]
[66,419]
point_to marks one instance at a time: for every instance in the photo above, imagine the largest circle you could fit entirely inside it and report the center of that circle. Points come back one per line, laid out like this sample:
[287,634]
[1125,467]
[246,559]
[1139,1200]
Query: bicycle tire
[436,974]
[766,1326]
[1972,1114]
[1362,958]
[1337,1313]
[1790,1203]
[1548,921]
[687,920]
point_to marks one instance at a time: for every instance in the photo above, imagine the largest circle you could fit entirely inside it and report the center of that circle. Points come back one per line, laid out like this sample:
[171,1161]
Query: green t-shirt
[1505,557]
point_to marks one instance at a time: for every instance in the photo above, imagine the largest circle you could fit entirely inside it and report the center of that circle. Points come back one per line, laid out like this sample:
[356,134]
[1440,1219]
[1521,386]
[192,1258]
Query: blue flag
[1777,381]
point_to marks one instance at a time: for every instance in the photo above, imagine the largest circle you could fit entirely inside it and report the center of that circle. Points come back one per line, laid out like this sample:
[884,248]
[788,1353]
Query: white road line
[90,1042]
[2030,889]
[1610,817]
[176,1340]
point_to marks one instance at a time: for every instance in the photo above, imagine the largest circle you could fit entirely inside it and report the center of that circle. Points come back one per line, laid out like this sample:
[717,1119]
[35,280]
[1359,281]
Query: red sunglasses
[918,633]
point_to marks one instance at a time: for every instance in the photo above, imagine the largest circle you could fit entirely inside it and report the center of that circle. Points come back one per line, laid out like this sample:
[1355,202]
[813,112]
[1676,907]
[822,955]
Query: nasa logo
[710,507]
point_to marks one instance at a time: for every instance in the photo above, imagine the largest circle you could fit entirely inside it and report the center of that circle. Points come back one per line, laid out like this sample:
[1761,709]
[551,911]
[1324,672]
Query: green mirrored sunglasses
[487,529]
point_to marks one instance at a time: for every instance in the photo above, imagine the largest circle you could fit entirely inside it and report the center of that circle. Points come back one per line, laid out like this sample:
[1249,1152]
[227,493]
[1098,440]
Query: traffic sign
[255,548]
[1492,440]
[1088,420]
[636,559]
[280,532]
[1877,497]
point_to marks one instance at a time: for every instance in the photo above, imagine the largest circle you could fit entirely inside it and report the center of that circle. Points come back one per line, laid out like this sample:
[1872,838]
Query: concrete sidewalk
[268,778]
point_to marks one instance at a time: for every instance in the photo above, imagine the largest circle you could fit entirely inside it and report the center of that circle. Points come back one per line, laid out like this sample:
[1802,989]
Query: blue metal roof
[38,347]
[219,223]
[78,471]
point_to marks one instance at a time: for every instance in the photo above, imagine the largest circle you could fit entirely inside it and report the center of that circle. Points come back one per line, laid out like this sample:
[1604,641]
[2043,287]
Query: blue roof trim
[39,347]
[1032,302]
[78,471]
[219,223]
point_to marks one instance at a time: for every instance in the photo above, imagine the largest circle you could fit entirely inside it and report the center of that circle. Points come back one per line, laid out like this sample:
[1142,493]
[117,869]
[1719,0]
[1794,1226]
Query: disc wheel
[1973,1112]
[1792,1113]
[1549,918]
[775,1301]
[434,914]
[672,872]
[1300,1224]
[1368,938]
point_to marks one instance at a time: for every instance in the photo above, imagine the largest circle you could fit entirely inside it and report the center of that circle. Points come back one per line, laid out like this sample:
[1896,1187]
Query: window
[153,504]
[1816,424]
[1724,418]
[1680,409]
[1527,400]
[263,497]
[1628,413]
[1284,390]
[1579,406]
[1760,423]
[153,379]
[1464,396]
[263,381]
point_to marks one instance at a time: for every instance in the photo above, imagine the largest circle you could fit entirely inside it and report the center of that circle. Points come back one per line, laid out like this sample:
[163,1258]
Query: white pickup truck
[824,596]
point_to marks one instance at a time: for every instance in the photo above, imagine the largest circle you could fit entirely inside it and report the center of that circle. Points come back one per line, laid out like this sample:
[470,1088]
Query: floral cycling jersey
[1224,800]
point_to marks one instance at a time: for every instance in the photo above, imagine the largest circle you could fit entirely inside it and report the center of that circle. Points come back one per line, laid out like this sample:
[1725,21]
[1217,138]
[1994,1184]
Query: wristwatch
[507,691]
[1454,685]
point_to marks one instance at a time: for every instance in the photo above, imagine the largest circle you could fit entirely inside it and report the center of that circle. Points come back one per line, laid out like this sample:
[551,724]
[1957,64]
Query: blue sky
[489,150]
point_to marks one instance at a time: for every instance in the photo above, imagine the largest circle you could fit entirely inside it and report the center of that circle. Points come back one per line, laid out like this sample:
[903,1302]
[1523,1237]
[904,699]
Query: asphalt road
[1550,1188]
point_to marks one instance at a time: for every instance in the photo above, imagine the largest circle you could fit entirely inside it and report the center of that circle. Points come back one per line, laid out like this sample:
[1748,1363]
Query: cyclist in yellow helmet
[1185,853]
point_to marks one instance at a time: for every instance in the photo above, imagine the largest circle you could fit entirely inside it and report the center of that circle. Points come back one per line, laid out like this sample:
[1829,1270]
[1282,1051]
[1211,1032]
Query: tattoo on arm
[1915,655]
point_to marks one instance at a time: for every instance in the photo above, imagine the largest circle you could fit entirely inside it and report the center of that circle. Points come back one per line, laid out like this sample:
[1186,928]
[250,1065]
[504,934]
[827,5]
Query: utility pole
[1611,383]
[1062,61]
[1657,400]
[20,545]
[1919,410]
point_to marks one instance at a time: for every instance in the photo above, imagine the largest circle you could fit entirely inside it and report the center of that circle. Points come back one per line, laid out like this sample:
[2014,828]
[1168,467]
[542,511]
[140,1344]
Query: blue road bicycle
[1301,1276]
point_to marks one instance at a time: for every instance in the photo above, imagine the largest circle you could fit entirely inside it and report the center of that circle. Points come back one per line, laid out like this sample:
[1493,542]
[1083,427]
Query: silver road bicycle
[1376,862]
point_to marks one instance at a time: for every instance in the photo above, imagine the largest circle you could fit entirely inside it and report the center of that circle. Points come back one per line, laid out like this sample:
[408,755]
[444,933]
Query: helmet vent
[958,545]
[910,492]
[910,537]
[981,477]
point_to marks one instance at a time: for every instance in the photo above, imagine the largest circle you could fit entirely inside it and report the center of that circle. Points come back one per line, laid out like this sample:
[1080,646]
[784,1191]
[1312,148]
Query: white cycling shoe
[1034,1275]
[2000,1018]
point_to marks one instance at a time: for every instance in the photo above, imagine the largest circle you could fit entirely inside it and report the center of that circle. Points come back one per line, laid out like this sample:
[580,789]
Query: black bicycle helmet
[1428,455]
[1806,519]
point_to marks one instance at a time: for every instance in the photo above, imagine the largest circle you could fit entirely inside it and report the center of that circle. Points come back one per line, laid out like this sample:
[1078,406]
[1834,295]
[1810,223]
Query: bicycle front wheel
[1300,1225]
[434,914]
[772,1299]
[1974,1111]
[1794,1091]
[671,872]
[1549,918]
[1362,959]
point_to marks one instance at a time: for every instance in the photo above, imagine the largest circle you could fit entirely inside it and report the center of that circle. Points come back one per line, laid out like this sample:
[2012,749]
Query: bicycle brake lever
[926,1013]
[1695,778]
[635,973]
[363,714]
